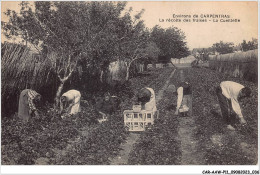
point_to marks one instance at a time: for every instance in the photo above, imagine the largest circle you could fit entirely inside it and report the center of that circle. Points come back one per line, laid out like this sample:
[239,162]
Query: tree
[47,26]
[66,32]
[104,18]
[151,53]
[250,45]
[170,41]
[133,38]
[223,48]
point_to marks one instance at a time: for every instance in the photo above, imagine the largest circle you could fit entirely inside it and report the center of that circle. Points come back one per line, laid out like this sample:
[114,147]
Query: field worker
[171,88]
[184,100]
[70,102]
[230,94]
[146,97]
[27,109]
[107,105]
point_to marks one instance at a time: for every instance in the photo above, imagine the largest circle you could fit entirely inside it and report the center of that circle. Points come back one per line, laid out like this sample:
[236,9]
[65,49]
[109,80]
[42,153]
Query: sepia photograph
[130,83]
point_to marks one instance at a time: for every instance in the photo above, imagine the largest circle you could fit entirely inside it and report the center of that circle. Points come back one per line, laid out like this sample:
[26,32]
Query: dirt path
[122,158]
[190,153]
[126,148]
[189,145]
[160,93]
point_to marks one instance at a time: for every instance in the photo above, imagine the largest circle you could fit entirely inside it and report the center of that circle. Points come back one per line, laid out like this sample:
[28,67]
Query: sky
[204,34]
[198,34]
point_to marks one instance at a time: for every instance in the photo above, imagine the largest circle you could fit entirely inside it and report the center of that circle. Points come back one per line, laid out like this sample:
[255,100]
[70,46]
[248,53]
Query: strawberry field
[216,145]
[220,145]
[160,145]
[106,51]
[76,140]
[82,140]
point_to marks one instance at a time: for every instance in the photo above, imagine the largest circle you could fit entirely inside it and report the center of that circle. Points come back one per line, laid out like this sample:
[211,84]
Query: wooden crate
[138,121]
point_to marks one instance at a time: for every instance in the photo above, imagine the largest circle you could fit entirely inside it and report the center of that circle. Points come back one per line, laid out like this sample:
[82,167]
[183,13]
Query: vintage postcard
[129,83]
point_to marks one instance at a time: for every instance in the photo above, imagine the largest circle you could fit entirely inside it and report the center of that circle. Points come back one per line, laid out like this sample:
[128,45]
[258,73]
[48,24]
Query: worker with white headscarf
[70,102]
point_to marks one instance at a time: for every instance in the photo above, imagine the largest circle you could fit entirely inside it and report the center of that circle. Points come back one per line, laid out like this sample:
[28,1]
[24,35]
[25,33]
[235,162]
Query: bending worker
[146,97]
[70,102]
[184,100]
[230,94]
[107,106]
[27,109]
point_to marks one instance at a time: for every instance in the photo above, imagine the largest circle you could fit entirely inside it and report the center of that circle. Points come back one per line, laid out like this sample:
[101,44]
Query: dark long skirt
[23,109]
[225,106]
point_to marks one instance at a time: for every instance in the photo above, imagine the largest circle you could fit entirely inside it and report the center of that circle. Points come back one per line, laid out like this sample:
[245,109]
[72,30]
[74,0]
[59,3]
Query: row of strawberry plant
[160,145]
[210,124]
[102,142]
[25,143]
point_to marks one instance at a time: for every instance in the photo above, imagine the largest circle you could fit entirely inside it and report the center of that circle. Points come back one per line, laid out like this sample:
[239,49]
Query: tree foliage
[223,47]
[171,42]
[250,45]
[88,36]
[66,32]
[151,52]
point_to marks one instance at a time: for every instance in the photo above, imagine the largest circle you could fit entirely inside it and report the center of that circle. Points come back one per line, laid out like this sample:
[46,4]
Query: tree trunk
[128,67]
[63,80]
[145,66]
[58,94]
[127,72]
[101,76]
